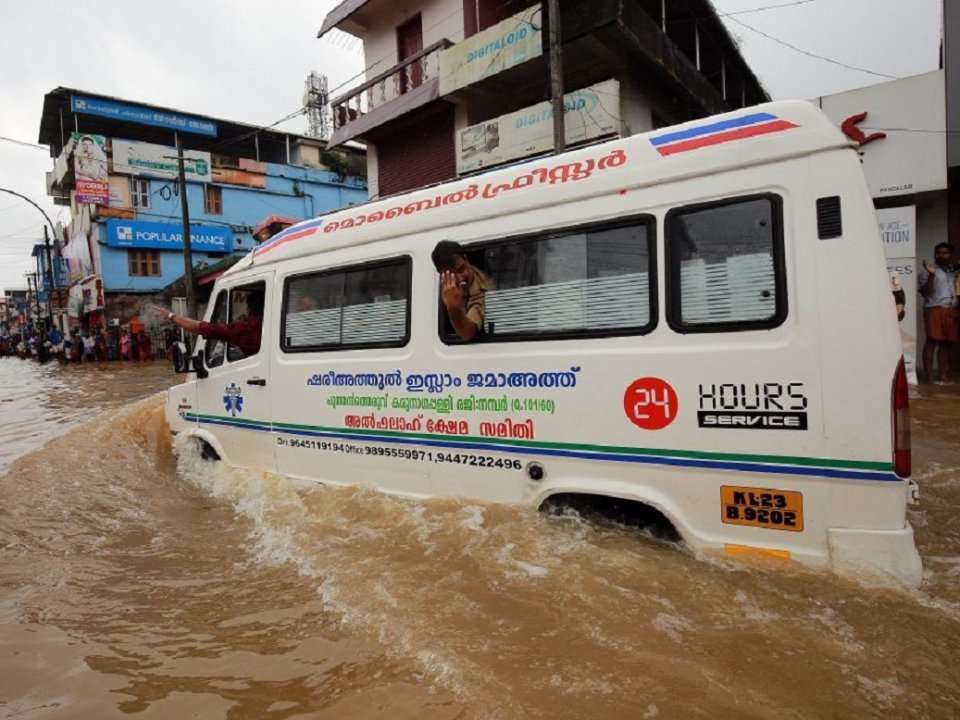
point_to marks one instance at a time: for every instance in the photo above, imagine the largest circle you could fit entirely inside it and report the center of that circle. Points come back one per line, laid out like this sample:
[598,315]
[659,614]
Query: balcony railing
[399,80]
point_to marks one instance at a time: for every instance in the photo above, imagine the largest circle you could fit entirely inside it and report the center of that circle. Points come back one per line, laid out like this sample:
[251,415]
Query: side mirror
[198,367]
[181,361]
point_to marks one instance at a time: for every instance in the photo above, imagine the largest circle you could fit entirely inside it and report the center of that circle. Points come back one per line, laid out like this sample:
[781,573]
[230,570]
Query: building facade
[116,167]
[457,86]
[902,128]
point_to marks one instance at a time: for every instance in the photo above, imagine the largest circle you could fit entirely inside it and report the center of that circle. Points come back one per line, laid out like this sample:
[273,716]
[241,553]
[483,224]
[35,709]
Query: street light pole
[187,250]
[24,197]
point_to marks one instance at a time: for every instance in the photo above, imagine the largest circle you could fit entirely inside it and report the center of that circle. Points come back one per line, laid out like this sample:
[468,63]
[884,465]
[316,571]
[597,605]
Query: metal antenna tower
[315,98]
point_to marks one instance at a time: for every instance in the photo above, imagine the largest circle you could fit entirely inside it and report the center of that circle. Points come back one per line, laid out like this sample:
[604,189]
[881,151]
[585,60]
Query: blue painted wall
[297,192]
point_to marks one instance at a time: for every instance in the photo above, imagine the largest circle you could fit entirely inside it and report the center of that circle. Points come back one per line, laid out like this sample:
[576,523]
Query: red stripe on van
[728,136]
[286,238]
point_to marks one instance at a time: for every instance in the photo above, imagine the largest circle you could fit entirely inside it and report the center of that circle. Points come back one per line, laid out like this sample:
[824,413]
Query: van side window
[246,318]
[725,266]
[349,308]
[585,281]
[217,349]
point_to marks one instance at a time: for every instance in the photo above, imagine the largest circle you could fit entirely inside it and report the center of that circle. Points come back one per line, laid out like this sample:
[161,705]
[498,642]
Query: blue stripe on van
[739,466]
[712,128]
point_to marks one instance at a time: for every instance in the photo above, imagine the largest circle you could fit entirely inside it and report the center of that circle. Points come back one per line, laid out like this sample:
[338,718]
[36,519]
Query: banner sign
[90,168]
[141,115]
[138,158]
[589,113]
[76,253]
[898,231]
[508,43]
[167,236]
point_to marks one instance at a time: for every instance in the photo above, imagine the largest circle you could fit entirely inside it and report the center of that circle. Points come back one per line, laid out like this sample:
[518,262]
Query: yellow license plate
[762,507]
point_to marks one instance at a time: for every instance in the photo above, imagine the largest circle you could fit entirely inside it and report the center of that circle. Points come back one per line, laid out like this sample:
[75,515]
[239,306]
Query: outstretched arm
[188,324]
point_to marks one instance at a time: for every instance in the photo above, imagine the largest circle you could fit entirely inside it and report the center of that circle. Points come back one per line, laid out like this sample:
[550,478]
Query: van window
[348,308]
[216,349]
[246,314]
[725,266]
[581,282]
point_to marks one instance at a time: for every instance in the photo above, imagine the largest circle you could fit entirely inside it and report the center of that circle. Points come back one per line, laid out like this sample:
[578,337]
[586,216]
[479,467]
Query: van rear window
[587,281]
[365,306]
[725,266]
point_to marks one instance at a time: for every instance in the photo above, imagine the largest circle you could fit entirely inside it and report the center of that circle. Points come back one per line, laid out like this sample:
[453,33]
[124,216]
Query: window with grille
[140,193]
[586,281]
[726,269]
[143,263]
[362,306]
[213,199]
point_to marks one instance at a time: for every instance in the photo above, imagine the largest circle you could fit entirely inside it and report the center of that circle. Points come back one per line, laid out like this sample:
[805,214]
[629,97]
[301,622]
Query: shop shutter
[420,153]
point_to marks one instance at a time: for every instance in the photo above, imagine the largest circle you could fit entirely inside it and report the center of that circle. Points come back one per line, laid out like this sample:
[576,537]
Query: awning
[340,13]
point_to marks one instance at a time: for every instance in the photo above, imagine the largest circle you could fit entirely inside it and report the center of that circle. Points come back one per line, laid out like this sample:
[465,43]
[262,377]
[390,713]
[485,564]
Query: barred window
[726,268]
[349,308]
[580,282]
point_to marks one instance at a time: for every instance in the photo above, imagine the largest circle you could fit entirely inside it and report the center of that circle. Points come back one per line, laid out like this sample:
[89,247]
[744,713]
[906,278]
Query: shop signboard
[167,236]
[92,294]
[898,232]
[139,158]
[907,120]
[90,168]
[590,113]
[502,46]
[141,115]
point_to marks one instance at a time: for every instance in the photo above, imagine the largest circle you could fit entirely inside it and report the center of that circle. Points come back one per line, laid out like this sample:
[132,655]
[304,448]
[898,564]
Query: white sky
[246,61]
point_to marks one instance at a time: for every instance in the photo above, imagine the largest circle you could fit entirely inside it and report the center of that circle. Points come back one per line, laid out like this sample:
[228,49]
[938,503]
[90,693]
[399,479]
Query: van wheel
[207,452]
[602,509]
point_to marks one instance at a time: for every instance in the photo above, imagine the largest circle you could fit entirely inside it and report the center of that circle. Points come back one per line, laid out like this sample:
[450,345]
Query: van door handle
[257,381]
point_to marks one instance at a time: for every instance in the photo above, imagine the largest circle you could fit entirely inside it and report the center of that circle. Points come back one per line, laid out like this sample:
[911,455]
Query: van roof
[751,136]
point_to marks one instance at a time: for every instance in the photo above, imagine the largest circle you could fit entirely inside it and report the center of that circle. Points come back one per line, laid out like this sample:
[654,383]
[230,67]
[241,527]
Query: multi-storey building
[456,86]
[115,165]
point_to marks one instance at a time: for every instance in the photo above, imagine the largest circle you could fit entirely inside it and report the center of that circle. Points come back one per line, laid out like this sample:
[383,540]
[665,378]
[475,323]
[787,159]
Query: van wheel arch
[635,512]
[207,451]
[208,446]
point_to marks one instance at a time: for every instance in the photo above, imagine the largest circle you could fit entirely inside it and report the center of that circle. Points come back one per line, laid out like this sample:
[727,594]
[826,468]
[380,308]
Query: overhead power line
[766,7]
[811,54]
[24,143]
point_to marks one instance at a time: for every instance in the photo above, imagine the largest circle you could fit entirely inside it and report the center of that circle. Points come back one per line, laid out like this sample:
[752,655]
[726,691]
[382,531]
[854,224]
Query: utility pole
[46,245]
[555,66]
[187,250]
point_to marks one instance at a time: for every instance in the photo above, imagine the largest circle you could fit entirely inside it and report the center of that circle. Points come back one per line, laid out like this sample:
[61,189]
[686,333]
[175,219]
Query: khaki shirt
[477,299]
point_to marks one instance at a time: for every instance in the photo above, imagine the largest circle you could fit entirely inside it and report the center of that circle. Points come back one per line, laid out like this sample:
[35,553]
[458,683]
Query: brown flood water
[131,587]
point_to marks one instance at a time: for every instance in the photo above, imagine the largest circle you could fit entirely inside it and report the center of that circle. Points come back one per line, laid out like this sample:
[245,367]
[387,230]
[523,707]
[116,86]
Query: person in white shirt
[938,285]
[89,344]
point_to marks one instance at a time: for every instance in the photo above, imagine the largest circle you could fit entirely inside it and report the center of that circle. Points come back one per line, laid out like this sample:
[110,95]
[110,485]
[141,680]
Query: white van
[696,319]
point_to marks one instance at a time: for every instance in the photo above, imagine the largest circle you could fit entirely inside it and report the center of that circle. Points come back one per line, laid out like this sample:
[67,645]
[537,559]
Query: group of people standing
[80,346]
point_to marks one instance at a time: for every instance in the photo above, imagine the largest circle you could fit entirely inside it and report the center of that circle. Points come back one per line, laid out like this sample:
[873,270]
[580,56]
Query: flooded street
[129,585]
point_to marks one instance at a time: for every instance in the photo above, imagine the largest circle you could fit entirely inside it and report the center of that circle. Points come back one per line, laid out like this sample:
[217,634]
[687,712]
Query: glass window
[140,193]
[726,266]
[143,263]
[246,317]
[583,282]
[213,199]
[216,349]
[364,306]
